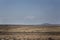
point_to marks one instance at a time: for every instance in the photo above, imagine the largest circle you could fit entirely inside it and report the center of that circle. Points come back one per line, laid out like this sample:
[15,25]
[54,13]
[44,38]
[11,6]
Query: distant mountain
[47,24]
[43,25]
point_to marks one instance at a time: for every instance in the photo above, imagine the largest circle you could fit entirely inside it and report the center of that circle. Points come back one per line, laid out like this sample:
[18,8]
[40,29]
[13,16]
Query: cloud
[29,17]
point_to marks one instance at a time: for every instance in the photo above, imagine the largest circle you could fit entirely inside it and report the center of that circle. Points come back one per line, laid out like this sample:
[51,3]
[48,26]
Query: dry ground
[28,28]
[22,31]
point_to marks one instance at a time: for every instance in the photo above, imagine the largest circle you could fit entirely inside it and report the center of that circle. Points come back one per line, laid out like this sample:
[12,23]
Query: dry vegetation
[30,31]
[27,28]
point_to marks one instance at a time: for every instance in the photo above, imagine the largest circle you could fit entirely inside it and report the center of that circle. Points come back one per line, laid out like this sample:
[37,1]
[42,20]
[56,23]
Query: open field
[29,32]
[27,28]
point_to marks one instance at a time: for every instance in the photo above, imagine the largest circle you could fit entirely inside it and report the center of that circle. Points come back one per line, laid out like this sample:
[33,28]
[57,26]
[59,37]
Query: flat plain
[32,32]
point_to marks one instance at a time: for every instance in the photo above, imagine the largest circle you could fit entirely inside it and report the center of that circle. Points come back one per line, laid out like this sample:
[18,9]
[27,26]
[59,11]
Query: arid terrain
[29,32]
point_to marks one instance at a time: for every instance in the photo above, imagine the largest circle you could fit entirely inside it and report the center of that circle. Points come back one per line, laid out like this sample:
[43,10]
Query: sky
[29,11]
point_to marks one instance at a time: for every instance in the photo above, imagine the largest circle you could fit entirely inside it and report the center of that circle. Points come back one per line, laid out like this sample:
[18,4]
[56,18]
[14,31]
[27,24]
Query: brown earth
[29,32]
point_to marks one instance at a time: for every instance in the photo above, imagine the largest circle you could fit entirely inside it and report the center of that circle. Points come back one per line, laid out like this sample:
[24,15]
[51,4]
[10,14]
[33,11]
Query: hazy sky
[29,11]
